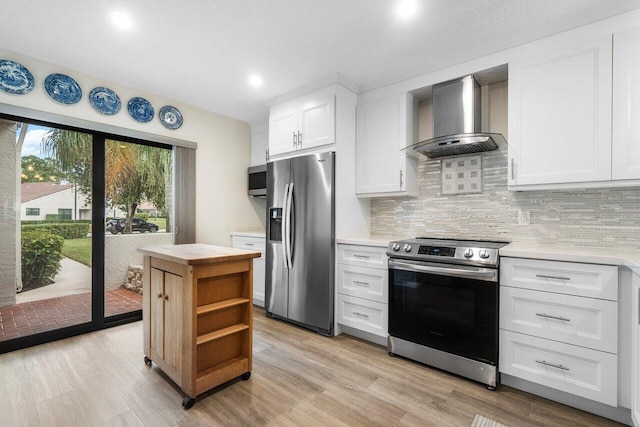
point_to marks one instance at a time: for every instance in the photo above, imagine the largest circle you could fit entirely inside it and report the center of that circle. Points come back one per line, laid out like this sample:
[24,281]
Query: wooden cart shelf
[199,328]
[212,336]
[204,309]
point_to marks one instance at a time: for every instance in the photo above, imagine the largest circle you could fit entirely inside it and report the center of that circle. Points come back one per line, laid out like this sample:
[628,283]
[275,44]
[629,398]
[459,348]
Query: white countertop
[363,242]
[607,256]
[260,234]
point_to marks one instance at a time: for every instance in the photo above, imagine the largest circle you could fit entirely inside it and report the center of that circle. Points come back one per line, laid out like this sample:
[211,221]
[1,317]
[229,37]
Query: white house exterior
[39,199]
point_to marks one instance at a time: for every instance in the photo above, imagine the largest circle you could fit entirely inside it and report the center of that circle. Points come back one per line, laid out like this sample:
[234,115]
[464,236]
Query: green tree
[133,172]
[35,169]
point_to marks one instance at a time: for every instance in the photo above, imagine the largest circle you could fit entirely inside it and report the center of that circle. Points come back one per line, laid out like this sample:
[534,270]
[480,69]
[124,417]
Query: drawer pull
[553,365]
[548,316]
[159,296]
[249,244]
[359,283]
[365,316]
[544,276]
[361,256]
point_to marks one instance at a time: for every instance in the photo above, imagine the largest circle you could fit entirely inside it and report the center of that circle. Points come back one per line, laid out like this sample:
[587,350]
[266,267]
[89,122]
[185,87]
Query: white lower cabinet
[559,326]
[635,351]
[254,243]
[577,370]
[363,289]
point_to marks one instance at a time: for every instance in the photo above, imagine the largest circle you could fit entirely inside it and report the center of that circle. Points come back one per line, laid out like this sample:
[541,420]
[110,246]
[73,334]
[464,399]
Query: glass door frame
[98,319]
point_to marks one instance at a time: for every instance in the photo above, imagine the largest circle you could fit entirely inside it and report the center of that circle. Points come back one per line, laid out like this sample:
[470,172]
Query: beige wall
[222,157]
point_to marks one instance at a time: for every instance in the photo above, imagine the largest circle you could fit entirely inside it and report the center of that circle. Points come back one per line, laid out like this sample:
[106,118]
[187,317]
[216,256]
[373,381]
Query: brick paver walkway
[30,318]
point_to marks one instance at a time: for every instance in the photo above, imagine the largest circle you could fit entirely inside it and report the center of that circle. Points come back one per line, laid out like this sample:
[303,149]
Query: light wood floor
[299,379]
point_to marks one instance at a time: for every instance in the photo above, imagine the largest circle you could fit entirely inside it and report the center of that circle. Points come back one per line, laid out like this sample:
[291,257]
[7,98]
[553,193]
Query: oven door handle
[486,274]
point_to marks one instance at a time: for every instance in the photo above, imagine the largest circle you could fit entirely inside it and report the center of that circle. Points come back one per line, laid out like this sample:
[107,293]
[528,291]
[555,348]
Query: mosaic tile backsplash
[602,218]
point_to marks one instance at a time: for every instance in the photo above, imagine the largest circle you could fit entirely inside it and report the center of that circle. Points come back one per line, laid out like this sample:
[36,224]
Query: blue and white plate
[104,100]
[170,117]
[140,109]
[15,78]
[62,88]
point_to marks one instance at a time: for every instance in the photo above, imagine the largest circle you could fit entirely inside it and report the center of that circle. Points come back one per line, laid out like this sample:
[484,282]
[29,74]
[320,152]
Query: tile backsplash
[603,218]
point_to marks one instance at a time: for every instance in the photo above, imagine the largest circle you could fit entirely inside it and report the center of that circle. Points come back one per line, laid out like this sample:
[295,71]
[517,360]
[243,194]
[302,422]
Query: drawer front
[587,280]
[248,243]
[586,322]
[577,370]
[366,315]
[363,282]
[365,256]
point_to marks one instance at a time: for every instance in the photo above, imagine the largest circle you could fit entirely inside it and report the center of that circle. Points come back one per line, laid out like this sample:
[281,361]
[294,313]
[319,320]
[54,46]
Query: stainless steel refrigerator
[300,241]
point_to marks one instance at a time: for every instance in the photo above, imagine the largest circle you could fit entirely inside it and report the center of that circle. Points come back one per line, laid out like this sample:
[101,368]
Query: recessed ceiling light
[406,9]
[255,80]
[121,20]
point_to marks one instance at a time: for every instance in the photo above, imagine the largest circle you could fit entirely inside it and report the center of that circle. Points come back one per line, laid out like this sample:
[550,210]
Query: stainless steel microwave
[258,181]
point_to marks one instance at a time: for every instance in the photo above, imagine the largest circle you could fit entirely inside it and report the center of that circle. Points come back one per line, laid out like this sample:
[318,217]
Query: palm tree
[133,172]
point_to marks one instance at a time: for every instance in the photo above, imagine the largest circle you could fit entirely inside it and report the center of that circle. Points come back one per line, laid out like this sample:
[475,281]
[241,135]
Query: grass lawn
[78,250]
[162,222]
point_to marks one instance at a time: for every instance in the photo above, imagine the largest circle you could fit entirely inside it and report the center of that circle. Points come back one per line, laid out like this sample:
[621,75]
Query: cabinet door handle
[513,169]
[544,276]
[548,316]
[159,296]
[359,283]
[400,178]
[166,297]
[365,316]
[299,138]
[266,154]
[295,139]
[553,365]
[361,256]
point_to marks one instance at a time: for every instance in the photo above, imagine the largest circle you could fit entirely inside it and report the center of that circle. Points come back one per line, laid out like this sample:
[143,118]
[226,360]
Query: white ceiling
[201,52]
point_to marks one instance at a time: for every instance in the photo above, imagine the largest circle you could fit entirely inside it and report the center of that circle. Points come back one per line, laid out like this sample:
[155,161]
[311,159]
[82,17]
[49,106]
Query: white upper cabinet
[384,128]
[560,115]
[626,104]
[305,123]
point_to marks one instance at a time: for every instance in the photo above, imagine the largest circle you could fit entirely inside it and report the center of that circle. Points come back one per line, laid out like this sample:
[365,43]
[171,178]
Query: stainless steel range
[443,305]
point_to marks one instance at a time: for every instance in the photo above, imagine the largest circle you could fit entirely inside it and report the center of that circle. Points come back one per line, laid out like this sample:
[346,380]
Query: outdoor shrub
[142,215]
[51,217]
[41,255]
[66,230]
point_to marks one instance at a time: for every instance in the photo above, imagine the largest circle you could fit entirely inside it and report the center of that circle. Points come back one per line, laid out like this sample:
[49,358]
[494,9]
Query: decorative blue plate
[62,88]
[15,78]
[170,117]
[104,100]
[140,109]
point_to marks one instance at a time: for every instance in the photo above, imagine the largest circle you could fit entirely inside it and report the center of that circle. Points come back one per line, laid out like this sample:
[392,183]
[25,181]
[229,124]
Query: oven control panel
[458,251]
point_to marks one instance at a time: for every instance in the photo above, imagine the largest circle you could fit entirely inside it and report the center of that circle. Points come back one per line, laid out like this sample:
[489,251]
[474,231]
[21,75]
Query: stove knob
[483,253]
[407,248]
[395,247]
[468,253]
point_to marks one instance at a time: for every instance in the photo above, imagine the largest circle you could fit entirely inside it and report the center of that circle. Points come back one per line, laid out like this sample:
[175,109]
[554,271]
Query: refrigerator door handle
[288,227]
[285,226]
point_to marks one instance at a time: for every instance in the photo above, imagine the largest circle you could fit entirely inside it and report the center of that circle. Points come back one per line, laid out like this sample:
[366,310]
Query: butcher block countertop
[197,253]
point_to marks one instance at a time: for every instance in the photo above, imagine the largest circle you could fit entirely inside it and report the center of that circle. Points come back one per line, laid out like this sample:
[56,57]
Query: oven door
[447,307]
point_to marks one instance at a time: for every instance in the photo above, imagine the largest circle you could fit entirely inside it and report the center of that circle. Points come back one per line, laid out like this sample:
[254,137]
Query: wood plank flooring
[299,379]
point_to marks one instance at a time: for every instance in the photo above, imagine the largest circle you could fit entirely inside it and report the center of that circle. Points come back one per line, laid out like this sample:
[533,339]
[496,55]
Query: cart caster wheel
[392,354]
[246,376]
[147,361]
[491,388]
[188,402]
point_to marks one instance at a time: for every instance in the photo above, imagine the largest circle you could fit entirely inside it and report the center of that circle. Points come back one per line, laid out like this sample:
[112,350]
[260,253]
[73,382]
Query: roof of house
[35,190]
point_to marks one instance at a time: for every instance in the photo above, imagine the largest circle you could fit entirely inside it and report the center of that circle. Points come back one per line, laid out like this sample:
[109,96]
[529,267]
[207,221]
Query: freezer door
[311,278]
[276,275]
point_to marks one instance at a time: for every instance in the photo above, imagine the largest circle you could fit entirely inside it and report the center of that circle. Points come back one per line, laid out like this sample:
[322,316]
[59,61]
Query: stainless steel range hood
[456,121]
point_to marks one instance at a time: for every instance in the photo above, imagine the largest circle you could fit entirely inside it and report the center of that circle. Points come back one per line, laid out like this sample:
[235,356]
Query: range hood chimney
[456,121]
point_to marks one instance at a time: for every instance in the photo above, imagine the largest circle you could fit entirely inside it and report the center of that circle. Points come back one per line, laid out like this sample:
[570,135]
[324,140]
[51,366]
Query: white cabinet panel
[366,315]
[317,123]
[587,322]
[384,128]
[581,371]
[626,104]
[588,280]
[363,282]
[635,364]
[560,115]
[254,244]
[283,123]
[365,256]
